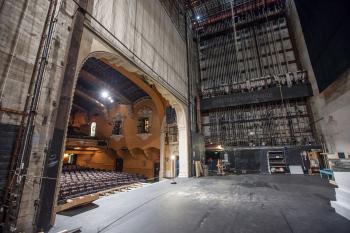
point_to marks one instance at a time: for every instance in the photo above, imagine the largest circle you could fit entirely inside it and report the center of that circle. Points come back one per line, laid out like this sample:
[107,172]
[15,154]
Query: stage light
[198,17]
[172,157]
[104,94]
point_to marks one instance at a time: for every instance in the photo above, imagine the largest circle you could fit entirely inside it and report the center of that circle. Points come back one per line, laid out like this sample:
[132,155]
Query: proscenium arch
[157,93]
[107,57]
[64,109]
[84,45]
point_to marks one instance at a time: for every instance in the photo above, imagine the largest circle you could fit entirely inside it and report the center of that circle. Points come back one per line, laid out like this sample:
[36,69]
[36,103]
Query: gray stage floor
[246,203]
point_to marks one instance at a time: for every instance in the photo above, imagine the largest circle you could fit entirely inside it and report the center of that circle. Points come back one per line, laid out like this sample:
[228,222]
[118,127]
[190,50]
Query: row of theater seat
[78,181]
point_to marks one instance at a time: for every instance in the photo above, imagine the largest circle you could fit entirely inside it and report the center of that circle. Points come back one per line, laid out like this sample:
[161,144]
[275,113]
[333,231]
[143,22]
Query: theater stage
[246,203]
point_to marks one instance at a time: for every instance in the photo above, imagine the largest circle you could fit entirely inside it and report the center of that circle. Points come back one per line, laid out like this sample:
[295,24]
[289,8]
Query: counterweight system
[254,91]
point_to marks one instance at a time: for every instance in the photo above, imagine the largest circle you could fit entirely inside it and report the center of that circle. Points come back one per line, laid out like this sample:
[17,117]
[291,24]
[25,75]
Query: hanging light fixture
[105,94]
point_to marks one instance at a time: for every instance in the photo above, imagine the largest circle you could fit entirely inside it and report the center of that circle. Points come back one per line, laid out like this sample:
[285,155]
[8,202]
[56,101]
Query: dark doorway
[119,165]
[156,169]
[72,159]
[211,158]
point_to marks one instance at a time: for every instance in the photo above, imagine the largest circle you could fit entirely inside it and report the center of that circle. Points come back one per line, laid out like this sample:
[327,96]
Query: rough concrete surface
[246,203]
[145,29]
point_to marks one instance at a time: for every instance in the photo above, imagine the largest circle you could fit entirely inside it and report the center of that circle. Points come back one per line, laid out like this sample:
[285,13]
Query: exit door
[156,169]
[119,165]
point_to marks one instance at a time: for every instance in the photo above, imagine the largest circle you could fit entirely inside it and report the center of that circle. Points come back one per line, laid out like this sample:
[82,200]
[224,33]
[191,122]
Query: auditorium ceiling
[100,86]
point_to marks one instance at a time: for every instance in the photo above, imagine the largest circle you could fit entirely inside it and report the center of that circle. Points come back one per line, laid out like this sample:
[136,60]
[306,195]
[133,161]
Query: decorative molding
[119,117]
[141,99]
[144,136]
[145,112]
[130,109]
[117,137]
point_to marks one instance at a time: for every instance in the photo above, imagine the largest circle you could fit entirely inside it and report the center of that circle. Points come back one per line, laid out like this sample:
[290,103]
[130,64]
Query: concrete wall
[148,33]
[20,32]
[331,107]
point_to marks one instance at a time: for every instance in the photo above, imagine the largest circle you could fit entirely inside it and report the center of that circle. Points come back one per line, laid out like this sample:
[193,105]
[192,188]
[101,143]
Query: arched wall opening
[132,99]
[160,97]
[111,117]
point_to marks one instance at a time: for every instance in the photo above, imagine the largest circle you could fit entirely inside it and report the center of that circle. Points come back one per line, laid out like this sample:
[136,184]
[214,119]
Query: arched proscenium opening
[161,98]
[149,86]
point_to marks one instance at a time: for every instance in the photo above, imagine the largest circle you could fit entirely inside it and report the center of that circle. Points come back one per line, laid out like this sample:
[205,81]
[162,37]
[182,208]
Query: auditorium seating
[78,181]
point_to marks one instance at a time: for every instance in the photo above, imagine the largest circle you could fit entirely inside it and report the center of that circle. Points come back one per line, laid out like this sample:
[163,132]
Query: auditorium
[174,116]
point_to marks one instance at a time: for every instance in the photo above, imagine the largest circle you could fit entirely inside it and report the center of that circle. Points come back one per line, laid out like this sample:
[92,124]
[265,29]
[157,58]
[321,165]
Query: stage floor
[245,203]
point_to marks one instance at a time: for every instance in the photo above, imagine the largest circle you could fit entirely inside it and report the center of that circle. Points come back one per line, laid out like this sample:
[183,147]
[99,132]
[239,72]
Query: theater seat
[77,181]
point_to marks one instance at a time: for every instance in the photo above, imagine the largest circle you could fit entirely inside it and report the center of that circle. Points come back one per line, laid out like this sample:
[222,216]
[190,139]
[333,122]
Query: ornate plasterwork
[117,137]
[117,124]
[144,136]
[145,112]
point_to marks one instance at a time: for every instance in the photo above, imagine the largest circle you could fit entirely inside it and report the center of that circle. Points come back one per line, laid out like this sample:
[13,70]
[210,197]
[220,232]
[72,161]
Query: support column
[183,151]
[183,129]
[49,187]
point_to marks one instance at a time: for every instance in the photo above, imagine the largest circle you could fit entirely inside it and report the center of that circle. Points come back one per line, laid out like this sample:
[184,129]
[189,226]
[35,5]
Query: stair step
[342,196]
[343,180]
[341,209]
